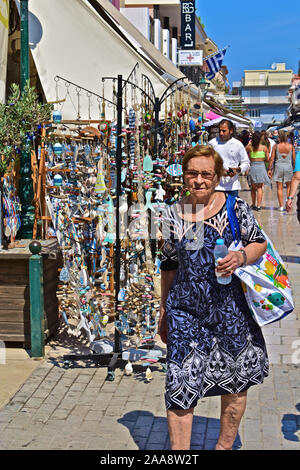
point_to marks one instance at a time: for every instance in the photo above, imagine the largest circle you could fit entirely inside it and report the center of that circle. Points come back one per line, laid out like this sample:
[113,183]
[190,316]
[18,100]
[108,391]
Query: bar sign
[188,24]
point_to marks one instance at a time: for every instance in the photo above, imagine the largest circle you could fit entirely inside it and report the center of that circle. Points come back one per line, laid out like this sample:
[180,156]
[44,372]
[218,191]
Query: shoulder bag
[265,283]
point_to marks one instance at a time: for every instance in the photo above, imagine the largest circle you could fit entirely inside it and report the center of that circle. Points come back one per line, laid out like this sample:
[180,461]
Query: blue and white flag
[214,63]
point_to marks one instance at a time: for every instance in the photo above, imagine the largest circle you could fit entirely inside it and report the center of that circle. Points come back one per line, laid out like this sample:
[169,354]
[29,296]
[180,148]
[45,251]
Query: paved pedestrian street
[76,408]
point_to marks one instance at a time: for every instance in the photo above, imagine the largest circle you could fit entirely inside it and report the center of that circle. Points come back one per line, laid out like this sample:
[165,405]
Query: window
[262,78]
[254,113]
[264,96]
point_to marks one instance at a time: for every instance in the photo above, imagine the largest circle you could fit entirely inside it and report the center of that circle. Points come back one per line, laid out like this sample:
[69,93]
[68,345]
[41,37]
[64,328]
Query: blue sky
[259,32]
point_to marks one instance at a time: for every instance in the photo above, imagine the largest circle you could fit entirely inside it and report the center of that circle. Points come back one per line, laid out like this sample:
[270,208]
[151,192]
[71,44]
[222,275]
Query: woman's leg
[280,193]
[253,193]
[259,194]
[288,188]
[232,409]
[180,428]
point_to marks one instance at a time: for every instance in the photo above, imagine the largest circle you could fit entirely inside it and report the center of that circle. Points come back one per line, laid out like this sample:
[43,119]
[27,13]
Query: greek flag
[214,63]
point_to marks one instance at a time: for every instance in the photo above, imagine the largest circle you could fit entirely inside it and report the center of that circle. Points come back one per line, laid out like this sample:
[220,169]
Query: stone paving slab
[271,421]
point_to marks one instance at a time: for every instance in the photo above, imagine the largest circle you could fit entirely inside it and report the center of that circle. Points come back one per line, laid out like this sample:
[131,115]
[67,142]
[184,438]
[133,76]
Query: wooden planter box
[14,292]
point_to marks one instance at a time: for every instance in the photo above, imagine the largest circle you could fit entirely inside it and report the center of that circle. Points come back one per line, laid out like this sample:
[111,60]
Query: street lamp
[26,193]
[204,85]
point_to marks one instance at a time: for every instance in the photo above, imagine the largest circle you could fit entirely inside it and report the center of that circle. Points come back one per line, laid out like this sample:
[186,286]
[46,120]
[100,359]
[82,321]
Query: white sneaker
[281,209]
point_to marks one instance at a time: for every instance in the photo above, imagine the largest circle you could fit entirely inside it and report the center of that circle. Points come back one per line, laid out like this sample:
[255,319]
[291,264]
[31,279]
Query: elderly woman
[214,345]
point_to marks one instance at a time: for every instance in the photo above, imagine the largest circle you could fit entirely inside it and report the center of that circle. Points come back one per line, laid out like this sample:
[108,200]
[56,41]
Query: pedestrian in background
[293,190]
[259,156]
[271,141]
[281,166]
[234,156]
[244,137]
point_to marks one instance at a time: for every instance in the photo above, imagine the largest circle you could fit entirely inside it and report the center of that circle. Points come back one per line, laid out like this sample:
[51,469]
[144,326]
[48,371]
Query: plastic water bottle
[220,251]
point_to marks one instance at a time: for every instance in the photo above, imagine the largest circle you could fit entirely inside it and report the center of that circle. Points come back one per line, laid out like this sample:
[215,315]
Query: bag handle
[232,218]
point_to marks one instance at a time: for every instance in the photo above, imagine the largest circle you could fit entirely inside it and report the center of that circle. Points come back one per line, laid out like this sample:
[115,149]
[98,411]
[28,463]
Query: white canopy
[69,39]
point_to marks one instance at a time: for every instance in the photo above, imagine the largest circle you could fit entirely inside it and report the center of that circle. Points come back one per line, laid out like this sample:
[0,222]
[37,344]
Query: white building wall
[174,51]
[157,34]
[140,18]
[166,43]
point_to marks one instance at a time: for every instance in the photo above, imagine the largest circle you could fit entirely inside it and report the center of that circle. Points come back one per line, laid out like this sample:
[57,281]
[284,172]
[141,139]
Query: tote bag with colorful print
[265,283]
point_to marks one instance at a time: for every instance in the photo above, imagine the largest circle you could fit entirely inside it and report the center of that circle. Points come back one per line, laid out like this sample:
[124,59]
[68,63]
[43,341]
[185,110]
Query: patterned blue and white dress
[214,345]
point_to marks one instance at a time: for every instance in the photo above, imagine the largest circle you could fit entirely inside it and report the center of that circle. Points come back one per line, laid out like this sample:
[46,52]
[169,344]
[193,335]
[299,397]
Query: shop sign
[190,58]
[188,24]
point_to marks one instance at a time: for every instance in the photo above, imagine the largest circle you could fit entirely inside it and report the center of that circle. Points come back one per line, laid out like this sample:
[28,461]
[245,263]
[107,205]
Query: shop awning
[214,122]
[71,40]
[221,110]
[212,115]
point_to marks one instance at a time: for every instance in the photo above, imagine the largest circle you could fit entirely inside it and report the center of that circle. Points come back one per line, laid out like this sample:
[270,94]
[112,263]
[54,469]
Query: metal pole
[24,43]
[118,194]
[201,111]
[37,329]
[156,120]
[26,193]
[1,219]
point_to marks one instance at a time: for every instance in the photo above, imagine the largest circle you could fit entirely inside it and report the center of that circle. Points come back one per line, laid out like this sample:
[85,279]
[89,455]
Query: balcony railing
[266,99]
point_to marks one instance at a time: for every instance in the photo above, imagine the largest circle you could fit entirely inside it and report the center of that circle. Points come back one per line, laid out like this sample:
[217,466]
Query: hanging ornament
[57,116]
[131,118]
[57,148]
[148,116]
[175,169]
[64,275]
[147,163]
[100,182]
[160,193]
[192,125]
[57,180]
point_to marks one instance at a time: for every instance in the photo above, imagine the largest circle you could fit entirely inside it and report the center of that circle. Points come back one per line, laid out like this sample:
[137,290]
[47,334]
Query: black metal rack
[114,358]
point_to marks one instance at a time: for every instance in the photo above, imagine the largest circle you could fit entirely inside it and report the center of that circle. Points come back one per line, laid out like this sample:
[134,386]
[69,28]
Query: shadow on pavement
[150,432]
[290,425]
[291,259]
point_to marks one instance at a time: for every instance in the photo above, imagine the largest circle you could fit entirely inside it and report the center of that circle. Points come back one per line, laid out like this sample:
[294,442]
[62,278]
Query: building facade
[160,22]
[294,99]
[266,94]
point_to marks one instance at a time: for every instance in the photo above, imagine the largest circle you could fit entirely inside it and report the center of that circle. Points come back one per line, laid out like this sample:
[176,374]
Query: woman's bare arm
[167,278]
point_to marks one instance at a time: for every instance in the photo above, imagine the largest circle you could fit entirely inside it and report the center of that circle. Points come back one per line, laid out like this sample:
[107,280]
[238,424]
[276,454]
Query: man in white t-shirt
[234,156]
[272,142]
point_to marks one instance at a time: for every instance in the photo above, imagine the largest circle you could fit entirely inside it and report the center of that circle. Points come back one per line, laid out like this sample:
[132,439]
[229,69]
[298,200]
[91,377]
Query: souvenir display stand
[101,188]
